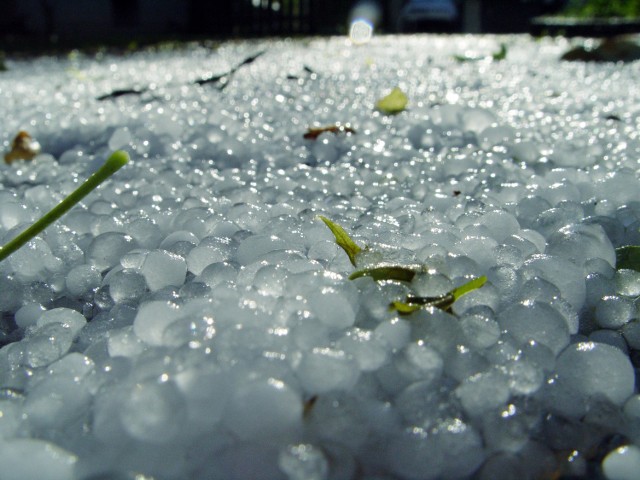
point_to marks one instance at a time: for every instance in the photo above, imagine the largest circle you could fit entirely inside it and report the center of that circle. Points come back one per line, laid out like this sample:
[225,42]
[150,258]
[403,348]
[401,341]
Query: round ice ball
[70,319]
[152,319]
[326,369]
[162,269]
[582,242]
[30,458]
[537,321]
[264,408]
[623,463]
[107,248]
[588,372]
[332,307]
[563,273]
[303,462]
[153,412]
[613,311]
[82,278]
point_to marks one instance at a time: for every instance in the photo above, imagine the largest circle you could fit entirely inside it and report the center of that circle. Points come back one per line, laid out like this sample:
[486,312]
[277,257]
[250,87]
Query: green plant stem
[115,161]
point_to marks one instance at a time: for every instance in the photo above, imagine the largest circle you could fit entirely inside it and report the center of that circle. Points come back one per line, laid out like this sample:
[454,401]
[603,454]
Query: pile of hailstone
[193,319]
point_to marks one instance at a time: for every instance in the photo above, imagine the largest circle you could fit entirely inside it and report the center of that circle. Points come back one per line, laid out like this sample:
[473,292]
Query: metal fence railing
[268,17]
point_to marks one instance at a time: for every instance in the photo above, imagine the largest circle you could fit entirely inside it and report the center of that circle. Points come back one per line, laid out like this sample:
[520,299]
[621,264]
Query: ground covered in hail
[195,318]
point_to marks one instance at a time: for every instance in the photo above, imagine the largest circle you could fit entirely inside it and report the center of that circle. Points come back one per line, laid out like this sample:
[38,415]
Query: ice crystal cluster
[193,319]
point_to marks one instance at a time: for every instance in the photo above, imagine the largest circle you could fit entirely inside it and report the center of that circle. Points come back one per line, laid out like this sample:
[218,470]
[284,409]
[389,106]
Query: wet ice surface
[194,319]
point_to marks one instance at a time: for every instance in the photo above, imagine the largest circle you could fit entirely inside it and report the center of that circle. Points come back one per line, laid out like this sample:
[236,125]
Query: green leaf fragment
[500,54]
[393,103]
[628,257]
[443,302]
[404,308]
[468,287]
[387,272]
[343,239]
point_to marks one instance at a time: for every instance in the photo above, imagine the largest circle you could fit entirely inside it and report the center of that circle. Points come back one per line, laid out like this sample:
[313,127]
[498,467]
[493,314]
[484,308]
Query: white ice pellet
[82,279]
[365,347]
[332,307]
[13,213]
[56,401]
[126,285]
[562,273]
[395,332]
[587,371]
[324,369]
[106,249]
[264,409]
[525,377]
[162,269]
[28,314]
[536,321]
[23,458]
[623,463]
[217,273]
[480,330]
[202,256]
[631,332]
[414,454]
[119,138]
[32,261]
[10,419]
[482,392]
[613,311]
[69,319]
[153,411]
[303,462]
[124,343]
[206,392]
[253,247]
[477,119]
[580,243]
[152,319]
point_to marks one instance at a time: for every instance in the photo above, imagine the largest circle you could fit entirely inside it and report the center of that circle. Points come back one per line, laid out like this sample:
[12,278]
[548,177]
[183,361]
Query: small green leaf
[464,58]
[443,302]
[468,287]
[495,56]
[500,54]
[386,272]
[393,103]
[404,308]
[343,239]
[628,257]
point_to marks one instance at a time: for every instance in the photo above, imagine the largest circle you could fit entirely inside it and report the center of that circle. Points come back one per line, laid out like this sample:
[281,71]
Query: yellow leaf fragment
[343,239]
[393,103]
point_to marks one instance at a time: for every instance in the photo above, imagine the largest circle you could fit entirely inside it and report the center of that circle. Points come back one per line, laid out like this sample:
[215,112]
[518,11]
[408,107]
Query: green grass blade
[443,302]
[387,272]
[343,239]
[115,161]
[468,287]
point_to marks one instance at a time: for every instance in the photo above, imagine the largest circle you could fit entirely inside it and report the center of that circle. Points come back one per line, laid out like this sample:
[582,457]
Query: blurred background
[70,22]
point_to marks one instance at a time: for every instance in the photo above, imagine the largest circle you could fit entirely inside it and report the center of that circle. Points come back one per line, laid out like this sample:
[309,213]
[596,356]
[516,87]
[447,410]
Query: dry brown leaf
[23,147]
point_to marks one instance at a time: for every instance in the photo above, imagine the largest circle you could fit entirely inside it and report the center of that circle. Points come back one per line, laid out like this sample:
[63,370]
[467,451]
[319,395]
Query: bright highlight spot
[361,31]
